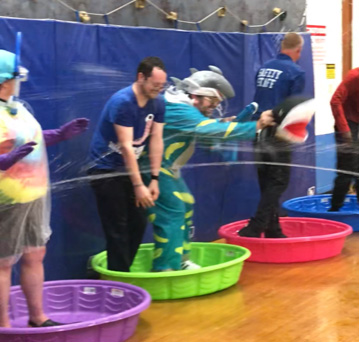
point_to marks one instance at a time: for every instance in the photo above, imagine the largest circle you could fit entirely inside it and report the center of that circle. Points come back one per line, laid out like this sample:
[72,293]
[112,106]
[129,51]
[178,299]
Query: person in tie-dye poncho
[24,189]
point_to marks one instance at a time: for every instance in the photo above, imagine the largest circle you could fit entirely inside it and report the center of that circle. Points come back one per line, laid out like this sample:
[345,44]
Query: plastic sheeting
[75,68]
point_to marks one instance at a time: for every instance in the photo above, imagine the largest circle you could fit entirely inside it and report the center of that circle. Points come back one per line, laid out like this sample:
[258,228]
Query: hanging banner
[319,35]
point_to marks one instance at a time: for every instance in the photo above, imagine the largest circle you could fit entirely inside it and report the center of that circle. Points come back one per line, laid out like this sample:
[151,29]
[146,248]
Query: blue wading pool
[317,206]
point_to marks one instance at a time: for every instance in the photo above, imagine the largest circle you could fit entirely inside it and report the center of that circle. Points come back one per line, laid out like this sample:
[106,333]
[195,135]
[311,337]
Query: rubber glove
[9,159]
[65,132]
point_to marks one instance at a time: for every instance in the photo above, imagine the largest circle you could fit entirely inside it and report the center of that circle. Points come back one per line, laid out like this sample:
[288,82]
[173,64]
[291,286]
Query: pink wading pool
[308,239]
[95,310]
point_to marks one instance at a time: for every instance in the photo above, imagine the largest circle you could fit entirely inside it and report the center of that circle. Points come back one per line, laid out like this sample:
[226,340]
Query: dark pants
[347,160]
[273,180]
[123,223]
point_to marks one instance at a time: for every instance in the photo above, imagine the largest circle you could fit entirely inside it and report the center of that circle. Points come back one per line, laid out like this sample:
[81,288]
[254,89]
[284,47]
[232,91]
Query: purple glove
[65,132]
[9,159]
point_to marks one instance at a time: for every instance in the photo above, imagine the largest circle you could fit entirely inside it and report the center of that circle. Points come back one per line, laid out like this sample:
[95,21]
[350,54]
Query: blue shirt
[276,80]
[122,109]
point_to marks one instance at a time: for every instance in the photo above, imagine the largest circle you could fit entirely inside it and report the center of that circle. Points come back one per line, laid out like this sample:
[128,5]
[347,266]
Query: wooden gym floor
[307,302]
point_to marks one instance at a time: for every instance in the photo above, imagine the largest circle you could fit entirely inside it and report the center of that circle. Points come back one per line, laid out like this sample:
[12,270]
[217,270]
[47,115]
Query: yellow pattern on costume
[184,196]
[189,214]
[157,253]
[167,172]
[230,129]
[152,218]
[172,148]
[206,122]
[179,250]
[160,239]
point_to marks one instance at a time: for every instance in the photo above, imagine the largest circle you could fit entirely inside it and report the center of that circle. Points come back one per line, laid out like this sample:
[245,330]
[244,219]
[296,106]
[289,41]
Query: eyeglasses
[157,85]
[215,101]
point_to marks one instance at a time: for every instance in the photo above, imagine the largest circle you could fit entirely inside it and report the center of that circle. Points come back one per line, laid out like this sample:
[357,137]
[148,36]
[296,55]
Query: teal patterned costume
[172,215]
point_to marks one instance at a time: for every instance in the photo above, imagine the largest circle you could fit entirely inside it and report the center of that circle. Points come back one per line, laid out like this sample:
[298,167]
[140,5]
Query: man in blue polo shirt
[131,119]
[276,80]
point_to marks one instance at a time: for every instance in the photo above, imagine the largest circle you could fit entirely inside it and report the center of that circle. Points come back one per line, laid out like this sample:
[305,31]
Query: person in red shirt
[345,108]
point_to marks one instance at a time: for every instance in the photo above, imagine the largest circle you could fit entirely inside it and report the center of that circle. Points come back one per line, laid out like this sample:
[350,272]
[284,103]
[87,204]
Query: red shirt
[345,101]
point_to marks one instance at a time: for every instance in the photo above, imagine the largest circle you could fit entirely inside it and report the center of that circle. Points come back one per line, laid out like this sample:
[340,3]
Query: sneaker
[189,265]
[252,229]
[47,323]
[274,232]
[248,231]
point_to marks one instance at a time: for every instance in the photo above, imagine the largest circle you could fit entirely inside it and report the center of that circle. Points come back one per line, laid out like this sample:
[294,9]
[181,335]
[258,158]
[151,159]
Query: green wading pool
[221,268]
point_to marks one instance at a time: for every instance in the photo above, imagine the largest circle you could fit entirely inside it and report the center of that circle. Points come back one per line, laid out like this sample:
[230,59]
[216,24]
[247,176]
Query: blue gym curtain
[75,68]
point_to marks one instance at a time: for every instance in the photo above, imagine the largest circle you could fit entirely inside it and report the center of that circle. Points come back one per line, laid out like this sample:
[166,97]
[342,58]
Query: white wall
[328,14]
